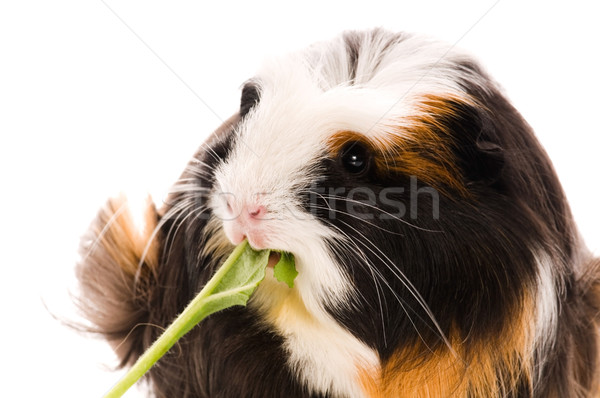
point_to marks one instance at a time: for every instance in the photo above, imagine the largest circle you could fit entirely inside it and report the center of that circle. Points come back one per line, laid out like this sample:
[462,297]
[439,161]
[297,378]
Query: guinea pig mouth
[274,258]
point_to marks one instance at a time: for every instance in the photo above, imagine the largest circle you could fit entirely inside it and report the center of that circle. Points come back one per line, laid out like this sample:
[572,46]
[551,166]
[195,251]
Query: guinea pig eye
[355,157]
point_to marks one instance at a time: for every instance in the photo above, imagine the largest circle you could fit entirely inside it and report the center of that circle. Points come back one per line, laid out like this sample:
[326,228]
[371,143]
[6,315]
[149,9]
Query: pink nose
[247,222]
[252,211]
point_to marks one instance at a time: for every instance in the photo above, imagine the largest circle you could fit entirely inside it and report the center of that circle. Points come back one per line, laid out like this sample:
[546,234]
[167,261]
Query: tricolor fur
[440,260]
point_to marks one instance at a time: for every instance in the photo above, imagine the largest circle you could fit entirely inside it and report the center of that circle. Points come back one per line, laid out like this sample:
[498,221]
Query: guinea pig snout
[246,221]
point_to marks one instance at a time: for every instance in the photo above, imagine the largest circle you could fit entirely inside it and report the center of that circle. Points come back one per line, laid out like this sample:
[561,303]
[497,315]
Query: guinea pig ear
[483,156]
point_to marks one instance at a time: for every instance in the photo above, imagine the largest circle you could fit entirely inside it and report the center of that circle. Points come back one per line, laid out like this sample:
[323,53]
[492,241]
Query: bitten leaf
[285,270]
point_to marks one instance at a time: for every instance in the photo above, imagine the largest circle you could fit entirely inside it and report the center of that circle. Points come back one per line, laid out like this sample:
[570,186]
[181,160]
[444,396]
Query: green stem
[190,317]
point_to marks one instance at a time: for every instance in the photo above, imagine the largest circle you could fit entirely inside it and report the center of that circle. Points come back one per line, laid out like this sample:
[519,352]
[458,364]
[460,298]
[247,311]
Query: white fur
[324,356]
[547,309]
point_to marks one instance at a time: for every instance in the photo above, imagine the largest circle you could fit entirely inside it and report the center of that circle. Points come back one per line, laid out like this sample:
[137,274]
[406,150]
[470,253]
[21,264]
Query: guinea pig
[436,251]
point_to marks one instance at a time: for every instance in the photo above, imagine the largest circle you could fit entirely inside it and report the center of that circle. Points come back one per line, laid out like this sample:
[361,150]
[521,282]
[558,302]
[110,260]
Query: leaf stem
[190,317]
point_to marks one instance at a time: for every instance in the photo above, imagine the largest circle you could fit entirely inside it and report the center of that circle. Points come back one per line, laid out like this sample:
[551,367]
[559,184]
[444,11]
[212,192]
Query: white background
[87,109]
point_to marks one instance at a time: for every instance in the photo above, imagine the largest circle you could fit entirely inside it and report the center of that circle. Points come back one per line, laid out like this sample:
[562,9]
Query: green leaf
[285,269]
[231,285]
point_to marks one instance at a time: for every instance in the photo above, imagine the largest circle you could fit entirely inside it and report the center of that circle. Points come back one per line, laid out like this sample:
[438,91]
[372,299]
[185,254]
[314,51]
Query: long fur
[448,266]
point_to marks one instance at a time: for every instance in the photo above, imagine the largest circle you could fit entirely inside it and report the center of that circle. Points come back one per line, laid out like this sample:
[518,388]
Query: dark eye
[355,157]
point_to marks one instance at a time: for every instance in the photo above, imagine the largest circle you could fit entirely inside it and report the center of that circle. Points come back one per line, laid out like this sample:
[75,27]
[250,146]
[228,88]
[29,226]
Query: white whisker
[405,281]
[358,202]
[104,230]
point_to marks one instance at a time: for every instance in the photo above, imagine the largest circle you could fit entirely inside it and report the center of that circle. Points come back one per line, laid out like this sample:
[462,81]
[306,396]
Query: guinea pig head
[412,195]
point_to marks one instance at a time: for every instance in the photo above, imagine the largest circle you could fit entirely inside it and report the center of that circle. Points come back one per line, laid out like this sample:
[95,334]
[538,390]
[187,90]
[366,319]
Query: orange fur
[125,242]
[421,147]
[472,369]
